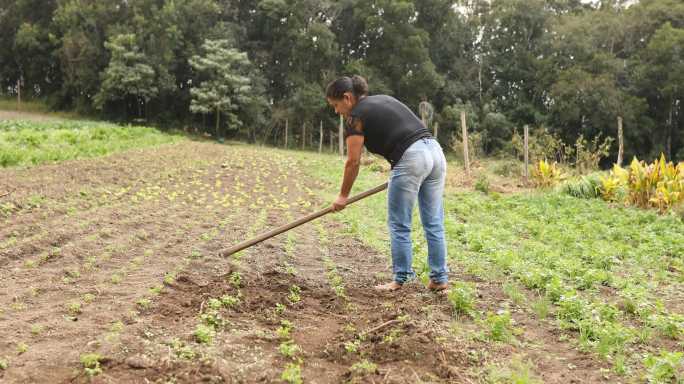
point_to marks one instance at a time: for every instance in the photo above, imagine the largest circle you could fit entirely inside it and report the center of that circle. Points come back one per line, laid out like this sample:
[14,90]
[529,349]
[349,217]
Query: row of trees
[245,67]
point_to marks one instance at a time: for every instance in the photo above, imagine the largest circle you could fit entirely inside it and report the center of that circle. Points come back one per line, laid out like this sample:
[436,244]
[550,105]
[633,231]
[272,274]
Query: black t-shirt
[389,126]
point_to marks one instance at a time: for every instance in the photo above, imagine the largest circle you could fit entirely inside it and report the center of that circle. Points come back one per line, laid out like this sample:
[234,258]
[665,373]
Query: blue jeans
[420,174]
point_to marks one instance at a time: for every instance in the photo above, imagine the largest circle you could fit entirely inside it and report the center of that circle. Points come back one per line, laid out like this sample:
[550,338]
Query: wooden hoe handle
[305,219]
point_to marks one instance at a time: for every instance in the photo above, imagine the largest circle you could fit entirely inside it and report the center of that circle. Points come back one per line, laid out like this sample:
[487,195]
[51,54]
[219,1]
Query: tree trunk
[218,120]
[668,147]
[286,127]
[621,145]
[464,131]
[303,134]
[19,93]
[320,140]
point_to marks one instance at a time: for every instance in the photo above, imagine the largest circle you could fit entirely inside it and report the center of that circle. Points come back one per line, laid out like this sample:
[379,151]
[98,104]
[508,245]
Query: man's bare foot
[389,287]
[439,287]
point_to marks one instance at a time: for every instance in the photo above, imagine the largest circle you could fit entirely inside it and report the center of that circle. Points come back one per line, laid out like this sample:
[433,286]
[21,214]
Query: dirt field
[118,256]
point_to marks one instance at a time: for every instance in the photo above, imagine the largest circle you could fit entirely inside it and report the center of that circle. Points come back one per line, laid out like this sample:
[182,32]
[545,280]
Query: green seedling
[22,348]
[74,308]
[294,295]
[284,330]
[91,364]
[144,303]
[462,298]
[364,367]
[279,309]
[289,349]
[235,279]
[204,334]
[292,374]
[4,364]
[229,301]
[37,329]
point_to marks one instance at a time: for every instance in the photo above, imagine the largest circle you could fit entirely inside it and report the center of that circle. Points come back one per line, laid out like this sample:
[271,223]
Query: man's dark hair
[356,84]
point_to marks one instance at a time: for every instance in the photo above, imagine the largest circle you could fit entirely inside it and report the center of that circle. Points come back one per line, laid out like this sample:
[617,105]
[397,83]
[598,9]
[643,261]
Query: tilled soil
[118,256]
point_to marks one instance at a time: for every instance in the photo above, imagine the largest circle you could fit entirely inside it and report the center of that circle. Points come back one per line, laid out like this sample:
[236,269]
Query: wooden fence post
[303,134]
[286,133]
[621,145]
[527,152]
[340,138]
[332,137]
[320,140]
[19,93]
[436,131]
[464,131]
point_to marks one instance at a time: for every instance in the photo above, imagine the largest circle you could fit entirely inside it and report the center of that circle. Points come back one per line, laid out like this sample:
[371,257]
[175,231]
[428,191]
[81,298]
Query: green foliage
[462,298]
[91,364]
[586,187]
[204,334]
[499,327]
[225,85]
[292,374]
[33,143]
[668,367]
[658,185]
[364,367]
[546,175]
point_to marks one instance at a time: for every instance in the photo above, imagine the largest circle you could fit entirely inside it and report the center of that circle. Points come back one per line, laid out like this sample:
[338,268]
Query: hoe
[296,223]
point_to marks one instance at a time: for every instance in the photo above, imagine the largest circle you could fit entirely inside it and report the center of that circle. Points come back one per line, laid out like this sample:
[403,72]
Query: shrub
[586,187]
[546,175]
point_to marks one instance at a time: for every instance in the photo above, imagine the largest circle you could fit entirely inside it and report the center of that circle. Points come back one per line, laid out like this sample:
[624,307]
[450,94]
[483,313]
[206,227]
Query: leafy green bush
[586,187]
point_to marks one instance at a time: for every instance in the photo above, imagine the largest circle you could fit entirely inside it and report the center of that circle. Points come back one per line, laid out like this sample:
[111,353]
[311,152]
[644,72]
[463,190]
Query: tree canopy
[568,65]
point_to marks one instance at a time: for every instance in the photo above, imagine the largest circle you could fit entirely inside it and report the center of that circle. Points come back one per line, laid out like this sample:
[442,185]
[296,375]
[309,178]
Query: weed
[156,290]
[279,309]
[364,367]
[514,293]
[518,372]
[462,298]
[541,307]
[4,364]
[482,184]
[665,368]
[144,303]
[499,327]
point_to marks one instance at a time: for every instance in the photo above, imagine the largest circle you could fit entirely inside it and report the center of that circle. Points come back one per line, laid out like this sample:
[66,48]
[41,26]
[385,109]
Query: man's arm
[351,167]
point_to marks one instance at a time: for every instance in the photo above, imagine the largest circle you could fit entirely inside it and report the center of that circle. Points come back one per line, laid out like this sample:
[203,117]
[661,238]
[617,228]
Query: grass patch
[25,143]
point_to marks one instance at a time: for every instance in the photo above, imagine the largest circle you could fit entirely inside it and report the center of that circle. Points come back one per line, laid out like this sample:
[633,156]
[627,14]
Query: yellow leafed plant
[658,185]
[546,175]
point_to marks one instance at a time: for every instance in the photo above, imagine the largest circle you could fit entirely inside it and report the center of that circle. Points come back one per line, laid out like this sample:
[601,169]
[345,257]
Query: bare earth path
[117,256]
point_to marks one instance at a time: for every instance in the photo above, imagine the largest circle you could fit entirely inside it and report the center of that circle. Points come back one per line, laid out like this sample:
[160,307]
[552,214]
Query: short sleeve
[349,129]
